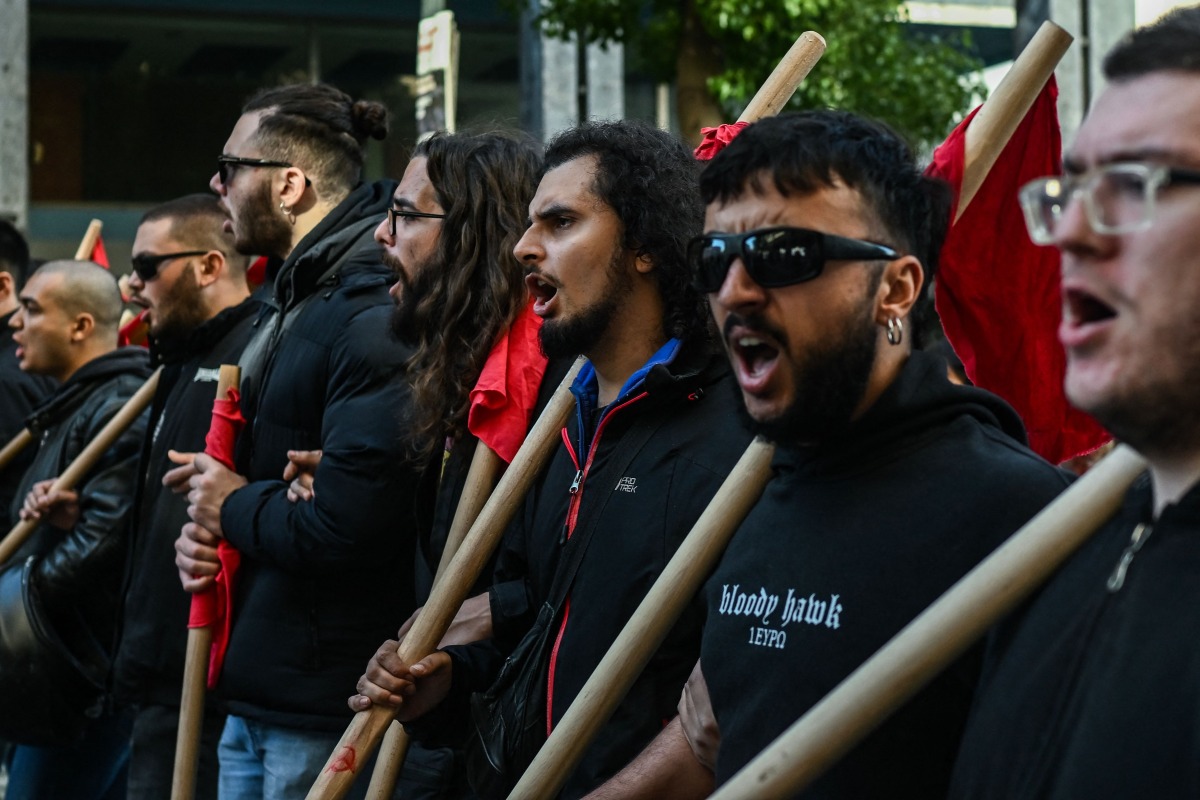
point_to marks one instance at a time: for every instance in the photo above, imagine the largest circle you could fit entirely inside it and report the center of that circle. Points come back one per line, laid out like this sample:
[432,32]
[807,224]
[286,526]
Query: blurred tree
[720,51]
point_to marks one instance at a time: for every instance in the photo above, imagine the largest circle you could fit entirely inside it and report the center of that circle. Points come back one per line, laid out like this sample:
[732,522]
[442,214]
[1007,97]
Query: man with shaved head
[59,593]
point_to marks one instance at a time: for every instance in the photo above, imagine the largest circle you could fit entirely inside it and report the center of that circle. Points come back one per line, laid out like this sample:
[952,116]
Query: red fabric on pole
[135,332]
[256,273]
[505,395]
[213,606]
[715,139]
[998,293]
[99,254]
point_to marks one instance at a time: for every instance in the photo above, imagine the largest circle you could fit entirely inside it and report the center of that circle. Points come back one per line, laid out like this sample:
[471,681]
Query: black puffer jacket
[641,514]
[322,582]
[60,593]
[149,664]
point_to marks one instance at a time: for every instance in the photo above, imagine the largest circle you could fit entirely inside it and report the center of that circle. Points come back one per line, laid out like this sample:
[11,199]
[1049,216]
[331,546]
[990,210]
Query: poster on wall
[437,74]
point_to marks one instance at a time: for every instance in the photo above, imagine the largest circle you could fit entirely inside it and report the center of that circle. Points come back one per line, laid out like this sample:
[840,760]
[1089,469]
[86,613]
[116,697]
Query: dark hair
[1171,43]
[475,286]
[806,151]
[320,129]
[198,221]
[648,177]
[14,253]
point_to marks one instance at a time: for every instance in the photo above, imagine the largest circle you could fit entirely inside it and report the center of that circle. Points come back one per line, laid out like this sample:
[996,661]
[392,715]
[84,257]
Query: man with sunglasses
[322,582]
[1092,691]
[192,283]
[60,591]
[890,482]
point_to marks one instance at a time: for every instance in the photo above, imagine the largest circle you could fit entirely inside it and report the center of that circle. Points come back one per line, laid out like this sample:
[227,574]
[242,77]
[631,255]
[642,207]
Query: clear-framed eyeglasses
[1117,198]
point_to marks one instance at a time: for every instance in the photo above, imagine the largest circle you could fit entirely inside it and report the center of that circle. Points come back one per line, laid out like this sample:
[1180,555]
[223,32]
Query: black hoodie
[850,541]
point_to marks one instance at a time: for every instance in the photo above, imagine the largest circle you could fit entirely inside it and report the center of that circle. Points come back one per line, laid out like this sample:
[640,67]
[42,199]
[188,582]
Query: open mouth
[1082,308]
[755,356]
[541,290]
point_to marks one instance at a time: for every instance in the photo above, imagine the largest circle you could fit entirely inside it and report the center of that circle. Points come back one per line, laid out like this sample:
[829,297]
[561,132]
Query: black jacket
[1095,692]
[640,515]
[850,541]
[61,589]
[322,582]
[149,663]
[20,394]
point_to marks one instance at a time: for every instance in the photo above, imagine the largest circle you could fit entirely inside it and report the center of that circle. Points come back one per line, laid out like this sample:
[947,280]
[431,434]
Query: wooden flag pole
[195,668]
[481,479]
[90,237]
[368,727]
[648,626]
[85,460]
[779,87]
[939,635]
[999,117]
[15,445]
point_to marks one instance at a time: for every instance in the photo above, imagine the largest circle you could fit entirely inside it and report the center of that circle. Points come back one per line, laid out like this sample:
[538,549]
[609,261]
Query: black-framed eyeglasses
[1117,198]
[394,212]
[775,256]
[146,266]
[225,165]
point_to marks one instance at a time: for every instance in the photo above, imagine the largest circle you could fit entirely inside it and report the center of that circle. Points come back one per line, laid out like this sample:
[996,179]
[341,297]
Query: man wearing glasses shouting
[890,482]
[318,581]
[1093,691]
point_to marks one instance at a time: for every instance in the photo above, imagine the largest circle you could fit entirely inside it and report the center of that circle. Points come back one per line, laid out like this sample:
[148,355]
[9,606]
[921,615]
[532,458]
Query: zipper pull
[575,483]
[1140,534]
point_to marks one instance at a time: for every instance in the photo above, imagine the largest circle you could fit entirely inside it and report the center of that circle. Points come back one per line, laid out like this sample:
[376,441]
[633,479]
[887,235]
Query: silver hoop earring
[287,212]
[895,331]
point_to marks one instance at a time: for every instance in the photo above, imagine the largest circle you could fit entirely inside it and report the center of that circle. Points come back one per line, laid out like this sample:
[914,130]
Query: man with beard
[192,283]
[20,392]
[1092,691]
[320,582]
[60,591]
[890,482]
[653,436]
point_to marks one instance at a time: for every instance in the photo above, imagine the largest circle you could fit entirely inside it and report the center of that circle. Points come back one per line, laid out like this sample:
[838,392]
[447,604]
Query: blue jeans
[90,769]
[270,762]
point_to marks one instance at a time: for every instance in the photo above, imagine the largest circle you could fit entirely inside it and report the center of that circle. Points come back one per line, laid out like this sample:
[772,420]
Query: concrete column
[606,81]
[1097,26]
[549,80]
[14,111]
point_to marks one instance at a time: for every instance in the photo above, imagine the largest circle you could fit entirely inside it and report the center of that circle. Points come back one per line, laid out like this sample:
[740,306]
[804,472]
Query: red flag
[99,254]
[505,395]
[135,331]
[715,139]
[213,606]
[256,273]
[998,293]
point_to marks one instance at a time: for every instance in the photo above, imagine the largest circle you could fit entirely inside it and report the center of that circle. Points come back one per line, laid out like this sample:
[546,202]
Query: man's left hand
[208,488]
[58,508]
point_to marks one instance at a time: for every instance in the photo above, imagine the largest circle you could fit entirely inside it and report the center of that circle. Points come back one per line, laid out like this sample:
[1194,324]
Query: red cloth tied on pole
[213,606]
[99,254]
[998,292]
[135,331]
[505,395]
[715,139]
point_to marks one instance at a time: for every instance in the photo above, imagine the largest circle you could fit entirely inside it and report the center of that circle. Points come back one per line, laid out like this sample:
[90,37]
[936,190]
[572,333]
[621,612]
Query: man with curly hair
[653,436]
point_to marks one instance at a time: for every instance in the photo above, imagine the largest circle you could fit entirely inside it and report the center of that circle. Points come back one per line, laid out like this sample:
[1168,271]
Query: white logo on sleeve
[626,485]
[207,375]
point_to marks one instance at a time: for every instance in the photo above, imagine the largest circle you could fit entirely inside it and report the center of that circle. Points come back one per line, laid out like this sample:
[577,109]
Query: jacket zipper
[1140,534]
[576,491]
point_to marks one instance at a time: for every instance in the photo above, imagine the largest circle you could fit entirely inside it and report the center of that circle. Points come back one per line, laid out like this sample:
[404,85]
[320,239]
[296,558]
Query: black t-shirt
[849,542]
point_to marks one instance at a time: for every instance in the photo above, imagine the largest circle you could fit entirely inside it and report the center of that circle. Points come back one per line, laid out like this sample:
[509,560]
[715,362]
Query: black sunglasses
[775,256]
[146,267]
[394,212]
[224,164]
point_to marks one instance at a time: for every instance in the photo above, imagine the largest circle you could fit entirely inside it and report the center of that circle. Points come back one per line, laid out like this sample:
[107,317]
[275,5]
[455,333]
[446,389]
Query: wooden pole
[939,635]
[795,65]
[368,727]
[648,626]
[88,243]
[15,445]
[195,668]
[87,459]
[481,479]
[996,122]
